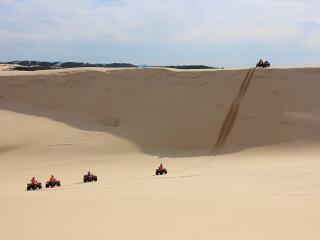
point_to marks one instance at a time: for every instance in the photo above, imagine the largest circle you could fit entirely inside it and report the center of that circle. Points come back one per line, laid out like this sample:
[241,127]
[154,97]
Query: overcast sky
[229,33]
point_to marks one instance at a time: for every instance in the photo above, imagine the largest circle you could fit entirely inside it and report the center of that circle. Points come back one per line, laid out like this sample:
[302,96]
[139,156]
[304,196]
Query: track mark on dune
[231,117]
[110,122]
[60,145]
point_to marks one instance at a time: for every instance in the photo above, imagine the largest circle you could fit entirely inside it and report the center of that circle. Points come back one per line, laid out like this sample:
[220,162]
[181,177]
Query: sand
[262,182]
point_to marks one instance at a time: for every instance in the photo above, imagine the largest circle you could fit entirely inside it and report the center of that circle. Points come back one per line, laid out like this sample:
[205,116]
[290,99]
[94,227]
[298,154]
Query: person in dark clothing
[260,63]
[266,64]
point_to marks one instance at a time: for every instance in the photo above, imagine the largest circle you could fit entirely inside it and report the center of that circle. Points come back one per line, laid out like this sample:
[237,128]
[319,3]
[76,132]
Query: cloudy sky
[229,33]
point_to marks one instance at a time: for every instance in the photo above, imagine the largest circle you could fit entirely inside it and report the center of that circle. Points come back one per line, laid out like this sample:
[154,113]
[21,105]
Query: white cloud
[173,21]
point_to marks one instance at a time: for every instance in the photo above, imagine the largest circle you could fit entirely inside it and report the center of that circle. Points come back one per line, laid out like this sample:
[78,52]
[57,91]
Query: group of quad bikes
[34,185]
[263,64]
[53,182]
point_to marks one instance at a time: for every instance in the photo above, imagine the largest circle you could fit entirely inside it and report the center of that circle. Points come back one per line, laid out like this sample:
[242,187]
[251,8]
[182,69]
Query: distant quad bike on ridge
[161,171]
[266,64]
[90,178]
[53,183]
[34,186]
[262,64]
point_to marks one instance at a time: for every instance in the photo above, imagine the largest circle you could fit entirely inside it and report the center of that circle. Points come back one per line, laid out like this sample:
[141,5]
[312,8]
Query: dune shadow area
[174,113]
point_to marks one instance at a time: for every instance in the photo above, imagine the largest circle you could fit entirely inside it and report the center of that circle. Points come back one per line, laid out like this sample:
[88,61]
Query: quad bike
[161,171]
[90,178]
[53,183]
[262,64]
[266,64]
[35,186]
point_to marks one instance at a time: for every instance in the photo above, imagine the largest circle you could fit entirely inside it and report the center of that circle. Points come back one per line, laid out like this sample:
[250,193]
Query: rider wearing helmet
[52,179]
[266,64]
[33,181]
[260,63]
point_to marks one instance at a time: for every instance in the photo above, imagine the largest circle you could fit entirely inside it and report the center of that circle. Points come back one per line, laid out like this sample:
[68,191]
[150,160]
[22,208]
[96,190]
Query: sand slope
[165,112]
[263,182]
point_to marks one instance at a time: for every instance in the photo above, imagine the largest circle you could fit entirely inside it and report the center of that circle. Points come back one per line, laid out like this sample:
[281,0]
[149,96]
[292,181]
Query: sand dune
[262,183]
[171,113]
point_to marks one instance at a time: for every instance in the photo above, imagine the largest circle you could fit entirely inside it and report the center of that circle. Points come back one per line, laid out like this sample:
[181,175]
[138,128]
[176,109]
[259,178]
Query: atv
[262,64]
[161,171]
[90,178]
[266,64]
[53,183]
[35,186]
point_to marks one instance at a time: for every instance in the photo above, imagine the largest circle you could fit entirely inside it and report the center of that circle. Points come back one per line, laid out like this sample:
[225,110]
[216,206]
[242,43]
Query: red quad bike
[34,186]
[161,171]
[90,178]
[53,183]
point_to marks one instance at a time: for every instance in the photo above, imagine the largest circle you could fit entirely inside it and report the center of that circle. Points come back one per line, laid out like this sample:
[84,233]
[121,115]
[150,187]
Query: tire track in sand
[231,117]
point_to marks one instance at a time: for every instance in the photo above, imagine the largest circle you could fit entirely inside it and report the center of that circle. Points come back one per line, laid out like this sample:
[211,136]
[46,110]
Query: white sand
[120,124]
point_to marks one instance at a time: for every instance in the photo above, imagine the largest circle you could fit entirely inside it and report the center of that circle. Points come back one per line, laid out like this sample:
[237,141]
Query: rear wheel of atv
[40,187]
[95,179]
[58,184]
[28,188]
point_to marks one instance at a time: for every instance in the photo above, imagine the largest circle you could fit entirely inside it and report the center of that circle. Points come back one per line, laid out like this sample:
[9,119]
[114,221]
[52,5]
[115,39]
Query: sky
[222,33]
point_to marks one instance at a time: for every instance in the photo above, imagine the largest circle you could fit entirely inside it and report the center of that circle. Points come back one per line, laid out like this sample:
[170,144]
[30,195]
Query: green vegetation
[42,65]
[39,65]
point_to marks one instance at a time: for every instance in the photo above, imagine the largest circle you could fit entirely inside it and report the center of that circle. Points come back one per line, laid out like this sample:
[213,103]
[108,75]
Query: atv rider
[161,167]
[52,179]
[260,63]
[266,64]
[33,181]
[89,174]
